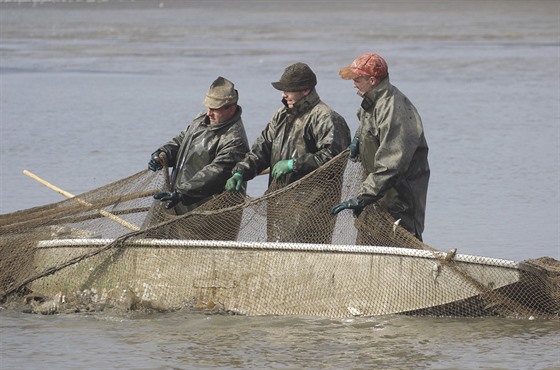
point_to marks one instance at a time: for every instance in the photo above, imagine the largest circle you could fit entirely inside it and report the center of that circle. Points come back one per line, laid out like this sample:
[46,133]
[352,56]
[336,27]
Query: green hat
[221,93]
[296,77]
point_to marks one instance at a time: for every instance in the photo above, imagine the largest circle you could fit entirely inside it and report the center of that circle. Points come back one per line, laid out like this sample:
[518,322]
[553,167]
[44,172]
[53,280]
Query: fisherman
[390,144]
[203,155]
[302,135]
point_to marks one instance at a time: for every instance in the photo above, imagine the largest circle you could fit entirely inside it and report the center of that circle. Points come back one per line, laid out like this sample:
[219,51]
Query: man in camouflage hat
[390,144]
[302,135]
[203,155]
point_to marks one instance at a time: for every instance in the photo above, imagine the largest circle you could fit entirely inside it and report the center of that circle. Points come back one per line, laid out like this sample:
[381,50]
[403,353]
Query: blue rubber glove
[282,168]
[357,204]
[234,183]
[354,149]
[173,198]
[155,162]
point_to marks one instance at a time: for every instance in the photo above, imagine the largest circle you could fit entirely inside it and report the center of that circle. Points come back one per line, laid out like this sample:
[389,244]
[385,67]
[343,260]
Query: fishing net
[282,253]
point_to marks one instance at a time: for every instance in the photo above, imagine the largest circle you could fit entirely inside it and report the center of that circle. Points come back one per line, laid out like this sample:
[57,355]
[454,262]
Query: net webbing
[279,254]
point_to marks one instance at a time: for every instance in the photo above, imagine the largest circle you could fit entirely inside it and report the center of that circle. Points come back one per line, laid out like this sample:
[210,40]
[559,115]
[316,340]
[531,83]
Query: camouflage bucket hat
[296,77]
[221,93]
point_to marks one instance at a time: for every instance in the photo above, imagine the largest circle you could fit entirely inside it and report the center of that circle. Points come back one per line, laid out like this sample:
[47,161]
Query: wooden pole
[102,212]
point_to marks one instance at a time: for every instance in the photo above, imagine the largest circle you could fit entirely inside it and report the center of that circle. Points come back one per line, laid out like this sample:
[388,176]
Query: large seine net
[279,254]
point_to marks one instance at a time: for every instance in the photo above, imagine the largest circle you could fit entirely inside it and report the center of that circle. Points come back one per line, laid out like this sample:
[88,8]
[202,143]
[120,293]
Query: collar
[371,96]
[303,105]
[236,117]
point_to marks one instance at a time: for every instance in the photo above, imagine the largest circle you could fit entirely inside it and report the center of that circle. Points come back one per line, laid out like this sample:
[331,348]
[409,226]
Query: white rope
[330,248]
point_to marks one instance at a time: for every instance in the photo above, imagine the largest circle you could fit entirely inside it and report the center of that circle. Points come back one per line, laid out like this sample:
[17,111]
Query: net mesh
[279,254]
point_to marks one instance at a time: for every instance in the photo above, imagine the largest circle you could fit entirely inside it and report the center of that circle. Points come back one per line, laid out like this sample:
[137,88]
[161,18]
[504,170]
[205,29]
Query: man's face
[364,84]
[292,97]
[220,115]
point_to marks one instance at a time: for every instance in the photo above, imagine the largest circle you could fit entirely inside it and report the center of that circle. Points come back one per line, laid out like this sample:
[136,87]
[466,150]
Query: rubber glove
[155,162]
[173,198]
[357,204]
[234,183]
[354,149]
[282,168]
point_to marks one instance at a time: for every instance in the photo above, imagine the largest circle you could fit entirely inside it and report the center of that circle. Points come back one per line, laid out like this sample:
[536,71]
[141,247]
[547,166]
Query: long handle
[102,212]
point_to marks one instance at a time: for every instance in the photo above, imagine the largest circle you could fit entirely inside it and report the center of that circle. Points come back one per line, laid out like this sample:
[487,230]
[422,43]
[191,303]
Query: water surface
[89,89]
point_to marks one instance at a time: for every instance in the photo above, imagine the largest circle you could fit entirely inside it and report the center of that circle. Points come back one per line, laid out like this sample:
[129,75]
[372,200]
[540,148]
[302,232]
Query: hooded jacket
[202,157]
[394,153]
[310,133]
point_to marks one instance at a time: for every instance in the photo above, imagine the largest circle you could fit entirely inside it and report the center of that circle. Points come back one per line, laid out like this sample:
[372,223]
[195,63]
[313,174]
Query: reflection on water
[194,341]
[89,89]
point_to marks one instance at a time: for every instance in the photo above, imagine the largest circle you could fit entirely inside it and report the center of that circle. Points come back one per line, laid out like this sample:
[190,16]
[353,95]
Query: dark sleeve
[258,159]
[399,137]
[212,178]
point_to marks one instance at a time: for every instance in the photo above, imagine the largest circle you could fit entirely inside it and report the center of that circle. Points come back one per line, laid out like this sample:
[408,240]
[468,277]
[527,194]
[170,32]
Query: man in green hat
[203,155]
[302,135]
